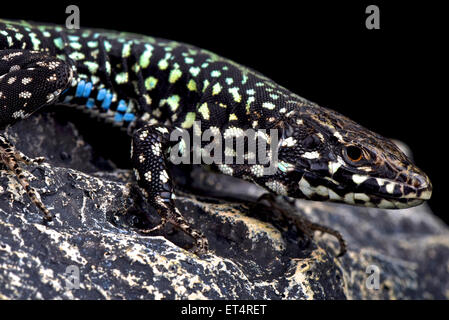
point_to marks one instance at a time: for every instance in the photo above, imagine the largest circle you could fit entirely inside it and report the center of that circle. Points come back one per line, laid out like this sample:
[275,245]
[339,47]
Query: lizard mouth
[370,191]
[389,194]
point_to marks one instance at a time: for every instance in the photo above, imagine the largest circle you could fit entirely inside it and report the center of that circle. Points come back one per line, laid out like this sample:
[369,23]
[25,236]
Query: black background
[391,80]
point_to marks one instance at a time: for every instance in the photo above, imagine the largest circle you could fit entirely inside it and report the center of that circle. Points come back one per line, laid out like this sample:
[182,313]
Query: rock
[95,235]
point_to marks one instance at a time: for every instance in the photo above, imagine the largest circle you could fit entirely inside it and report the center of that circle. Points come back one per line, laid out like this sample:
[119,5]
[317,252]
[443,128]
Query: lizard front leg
[150,168]
[28,81]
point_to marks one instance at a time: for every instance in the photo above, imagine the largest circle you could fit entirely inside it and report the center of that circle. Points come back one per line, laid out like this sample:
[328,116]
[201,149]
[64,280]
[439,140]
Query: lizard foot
[11,158]
[201,245]
[156,228]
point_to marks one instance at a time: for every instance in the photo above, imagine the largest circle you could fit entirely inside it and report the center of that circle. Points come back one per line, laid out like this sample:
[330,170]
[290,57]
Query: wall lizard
[150,87]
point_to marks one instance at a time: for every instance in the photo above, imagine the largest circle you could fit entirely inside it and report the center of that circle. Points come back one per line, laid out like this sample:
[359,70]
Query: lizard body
[150,87]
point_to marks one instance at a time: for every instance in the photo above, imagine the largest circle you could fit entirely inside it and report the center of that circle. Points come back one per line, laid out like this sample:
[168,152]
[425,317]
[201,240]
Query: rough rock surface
[95,230]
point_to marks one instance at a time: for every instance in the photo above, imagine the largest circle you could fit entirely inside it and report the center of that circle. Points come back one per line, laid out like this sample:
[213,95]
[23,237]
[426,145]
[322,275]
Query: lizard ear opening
[285,129]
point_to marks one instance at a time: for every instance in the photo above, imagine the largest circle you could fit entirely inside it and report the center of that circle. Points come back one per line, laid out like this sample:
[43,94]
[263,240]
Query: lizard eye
[353,153]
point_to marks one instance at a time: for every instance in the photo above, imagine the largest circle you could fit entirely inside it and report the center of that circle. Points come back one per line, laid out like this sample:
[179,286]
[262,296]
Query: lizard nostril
[416,183]
[420,182]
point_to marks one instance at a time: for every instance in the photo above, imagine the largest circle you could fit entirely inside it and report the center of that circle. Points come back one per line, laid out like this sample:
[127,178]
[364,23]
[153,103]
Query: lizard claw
[156,228]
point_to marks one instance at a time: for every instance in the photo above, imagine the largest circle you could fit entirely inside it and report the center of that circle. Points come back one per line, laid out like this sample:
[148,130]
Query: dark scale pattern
[150,87]
[21,73]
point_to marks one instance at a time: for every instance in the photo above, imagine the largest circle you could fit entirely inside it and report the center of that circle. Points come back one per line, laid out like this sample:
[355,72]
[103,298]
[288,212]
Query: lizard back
[132,80]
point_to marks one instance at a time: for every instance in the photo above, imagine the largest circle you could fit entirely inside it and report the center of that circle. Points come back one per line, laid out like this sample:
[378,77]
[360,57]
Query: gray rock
[96,231]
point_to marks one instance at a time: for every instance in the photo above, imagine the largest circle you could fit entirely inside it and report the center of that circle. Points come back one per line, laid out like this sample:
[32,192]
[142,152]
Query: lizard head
[325,156]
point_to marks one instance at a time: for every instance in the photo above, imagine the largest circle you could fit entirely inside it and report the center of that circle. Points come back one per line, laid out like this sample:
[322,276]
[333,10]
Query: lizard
[150,87]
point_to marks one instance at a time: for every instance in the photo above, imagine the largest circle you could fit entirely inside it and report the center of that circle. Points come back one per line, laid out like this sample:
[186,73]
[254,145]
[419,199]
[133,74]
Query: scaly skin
[150,86]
